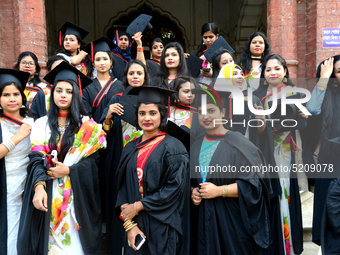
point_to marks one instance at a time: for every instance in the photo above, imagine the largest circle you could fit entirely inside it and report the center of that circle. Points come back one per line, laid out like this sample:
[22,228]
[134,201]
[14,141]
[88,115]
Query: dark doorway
[163,27]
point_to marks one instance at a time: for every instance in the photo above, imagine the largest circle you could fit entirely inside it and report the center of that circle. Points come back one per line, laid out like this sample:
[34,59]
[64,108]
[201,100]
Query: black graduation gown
[34,224]
[110,160]
[90,93]
[152,67]
[118,67]
[164,180]
[38,106]
[330,230]
[233,225]
[3,203]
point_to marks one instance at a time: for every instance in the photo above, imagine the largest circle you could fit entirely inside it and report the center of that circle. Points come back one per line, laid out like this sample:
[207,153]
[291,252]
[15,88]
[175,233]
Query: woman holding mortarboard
[119,124]
[71,43]
[287,237]
[231,206]
[151,180]
[14,150]
[65,216]
[255,50]
[324,125]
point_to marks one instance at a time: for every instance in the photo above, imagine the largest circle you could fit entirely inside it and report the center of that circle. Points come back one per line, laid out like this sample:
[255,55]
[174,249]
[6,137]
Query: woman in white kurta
[14,149]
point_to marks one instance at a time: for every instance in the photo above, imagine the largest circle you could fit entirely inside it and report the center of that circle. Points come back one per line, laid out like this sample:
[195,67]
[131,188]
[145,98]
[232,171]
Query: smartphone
[206,69]
[48,161]
[139,241]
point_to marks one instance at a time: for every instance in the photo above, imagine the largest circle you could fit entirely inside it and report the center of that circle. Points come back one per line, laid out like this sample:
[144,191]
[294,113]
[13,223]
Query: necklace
[62,114]
[62,128]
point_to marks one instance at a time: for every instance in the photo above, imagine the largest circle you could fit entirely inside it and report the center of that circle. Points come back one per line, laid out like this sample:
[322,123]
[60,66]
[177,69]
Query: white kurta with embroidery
[16,162]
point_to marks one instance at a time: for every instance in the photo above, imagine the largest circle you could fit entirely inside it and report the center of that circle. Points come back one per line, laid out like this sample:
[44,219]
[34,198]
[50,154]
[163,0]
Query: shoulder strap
[102,93]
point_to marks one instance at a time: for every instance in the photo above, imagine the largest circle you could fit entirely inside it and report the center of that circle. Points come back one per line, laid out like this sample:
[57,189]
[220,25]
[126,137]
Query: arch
[147,6]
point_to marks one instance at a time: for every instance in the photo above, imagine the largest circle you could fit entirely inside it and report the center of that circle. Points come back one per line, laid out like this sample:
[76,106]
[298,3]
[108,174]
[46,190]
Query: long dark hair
[35,80]
[75,120]
[217,58]
[263,86]
[210,26]
[178,85]
[162,110]
[182,68]
[126,70]
[246,62]
[23,111]
[87,60]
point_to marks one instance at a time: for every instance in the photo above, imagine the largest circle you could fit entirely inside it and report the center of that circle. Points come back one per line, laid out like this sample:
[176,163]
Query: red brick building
[294,27]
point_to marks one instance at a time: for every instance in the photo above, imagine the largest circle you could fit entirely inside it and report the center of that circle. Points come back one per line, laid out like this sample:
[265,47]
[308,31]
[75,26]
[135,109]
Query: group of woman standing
[100,150]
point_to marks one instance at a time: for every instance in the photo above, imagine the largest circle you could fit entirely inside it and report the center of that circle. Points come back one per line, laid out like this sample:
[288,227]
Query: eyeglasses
[27,63]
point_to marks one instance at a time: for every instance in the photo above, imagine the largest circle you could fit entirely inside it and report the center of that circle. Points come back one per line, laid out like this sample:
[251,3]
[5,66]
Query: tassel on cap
[92,51]
[60,38]
[79,84]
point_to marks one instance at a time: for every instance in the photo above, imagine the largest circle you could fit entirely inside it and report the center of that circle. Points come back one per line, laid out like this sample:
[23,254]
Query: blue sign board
[331,37]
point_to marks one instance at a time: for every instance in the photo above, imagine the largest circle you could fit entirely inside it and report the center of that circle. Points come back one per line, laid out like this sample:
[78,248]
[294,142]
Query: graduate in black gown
[330,223]
[231,207]
[97,95]
[151,180]
[77,219]
[120,130]
[173,65]
[156,47]
[41,102]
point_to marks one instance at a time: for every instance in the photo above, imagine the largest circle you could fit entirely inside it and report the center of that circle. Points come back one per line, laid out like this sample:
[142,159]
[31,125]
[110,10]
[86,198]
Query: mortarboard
[117,30]
[101,44]
[71,29]
[151,94]
[213,96]
[12,75]
[65,71]
[218,43]
[141,23]
[182,133]
[194,64]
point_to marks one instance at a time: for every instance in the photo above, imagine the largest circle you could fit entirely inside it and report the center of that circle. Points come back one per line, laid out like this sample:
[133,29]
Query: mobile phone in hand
[139,241]
[206,69]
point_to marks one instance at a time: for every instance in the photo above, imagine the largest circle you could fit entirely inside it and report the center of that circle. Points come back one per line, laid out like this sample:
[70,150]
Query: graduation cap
[71,29]
[141,23]
[129,103]
[194,64]
[117,31]
[182,133]
[292,112]
[65,71]
[218,43]
[213,96]
[12,75]
[101,44]
[151,94]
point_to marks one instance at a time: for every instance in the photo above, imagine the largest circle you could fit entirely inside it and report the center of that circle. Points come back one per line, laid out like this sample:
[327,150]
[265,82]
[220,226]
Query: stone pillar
[23,28]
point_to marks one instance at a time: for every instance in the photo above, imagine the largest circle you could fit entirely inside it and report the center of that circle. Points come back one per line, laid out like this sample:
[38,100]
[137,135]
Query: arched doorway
[163,27]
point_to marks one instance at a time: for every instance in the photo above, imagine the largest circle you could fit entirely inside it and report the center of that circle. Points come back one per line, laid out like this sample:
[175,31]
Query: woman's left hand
[302,114]
[138,39]
[209,190]
[59,171]
[127,212]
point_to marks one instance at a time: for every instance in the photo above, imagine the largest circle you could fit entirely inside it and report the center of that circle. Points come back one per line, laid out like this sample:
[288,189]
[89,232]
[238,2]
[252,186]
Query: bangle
[40,183]
[140,49]
[225,191]
[107,127]
[132,226]
[135,207]
[322,85]
[8,143]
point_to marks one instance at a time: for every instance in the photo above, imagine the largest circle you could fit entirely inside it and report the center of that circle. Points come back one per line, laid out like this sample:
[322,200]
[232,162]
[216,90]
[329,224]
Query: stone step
[310,248]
